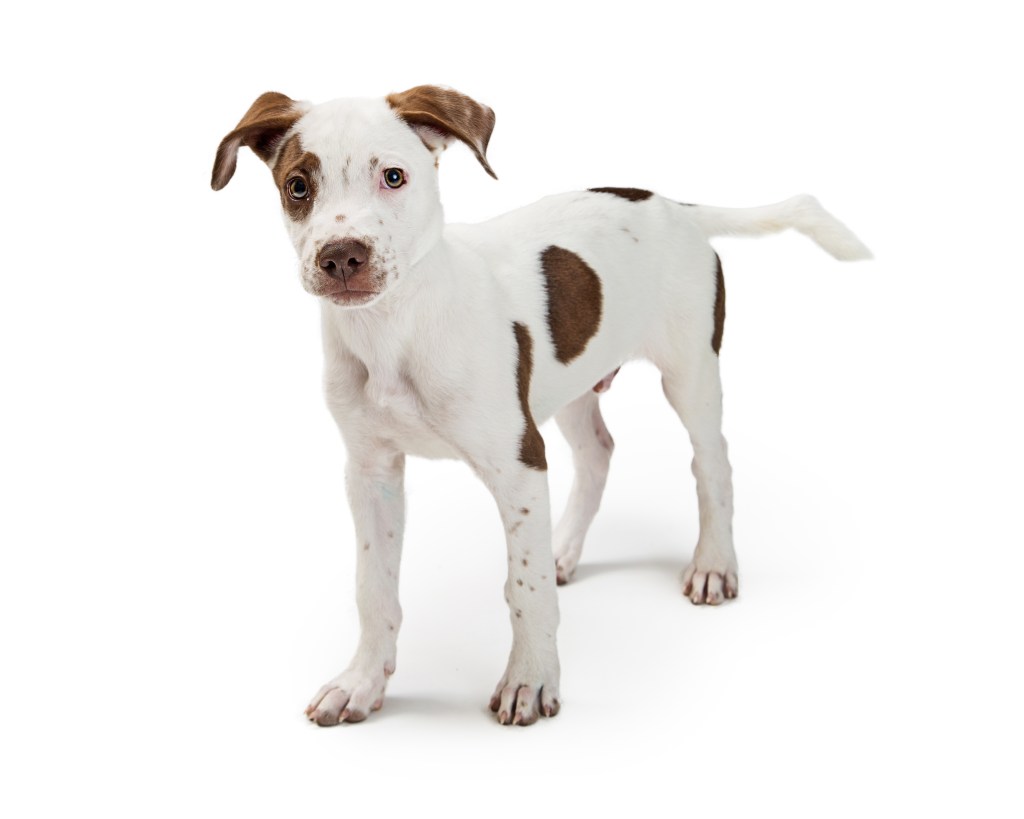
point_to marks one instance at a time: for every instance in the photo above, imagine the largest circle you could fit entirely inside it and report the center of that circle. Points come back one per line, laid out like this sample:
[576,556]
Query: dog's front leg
[374,480]
[529,687]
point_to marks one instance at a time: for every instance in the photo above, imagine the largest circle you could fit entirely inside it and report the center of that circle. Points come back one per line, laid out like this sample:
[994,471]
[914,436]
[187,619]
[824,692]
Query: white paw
[710,584]
[522,699]
[565,566]
[349,697]
[567,557]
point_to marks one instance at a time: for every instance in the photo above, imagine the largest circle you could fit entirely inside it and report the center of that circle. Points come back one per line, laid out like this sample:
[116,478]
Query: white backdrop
[176,576]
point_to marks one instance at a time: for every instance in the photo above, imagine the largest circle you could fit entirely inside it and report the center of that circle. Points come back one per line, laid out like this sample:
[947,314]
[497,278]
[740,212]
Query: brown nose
[340,259]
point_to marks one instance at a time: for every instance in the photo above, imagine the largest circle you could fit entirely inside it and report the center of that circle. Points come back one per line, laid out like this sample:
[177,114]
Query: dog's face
[358,180]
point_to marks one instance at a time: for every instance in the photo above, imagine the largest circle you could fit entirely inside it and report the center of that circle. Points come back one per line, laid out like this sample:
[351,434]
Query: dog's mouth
[345,291]
[351,298]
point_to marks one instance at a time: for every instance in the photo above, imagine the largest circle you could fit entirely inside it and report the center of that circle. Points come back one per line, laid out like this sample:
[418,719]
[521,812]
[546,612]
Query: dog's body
[460,341]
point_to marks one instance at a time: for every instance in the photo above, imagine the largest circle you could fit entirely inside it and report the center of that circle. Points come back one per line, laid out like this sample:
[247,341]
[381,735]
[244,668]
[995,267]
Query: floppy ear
[266,121]
[449,113]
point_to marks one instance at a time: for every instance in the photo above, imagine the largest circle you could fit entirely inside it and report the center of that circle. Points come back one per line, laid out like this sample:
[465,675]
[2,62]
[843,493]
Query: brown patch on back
[716,337]
[293,161]
[531,445]
[449,112]
[632,194]
[266,122]
[574,301]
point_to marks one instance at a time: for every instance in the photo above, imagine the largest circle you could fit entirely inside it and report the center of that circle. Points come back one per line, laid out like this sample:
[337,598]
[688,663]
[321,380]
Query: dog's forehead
[353,126]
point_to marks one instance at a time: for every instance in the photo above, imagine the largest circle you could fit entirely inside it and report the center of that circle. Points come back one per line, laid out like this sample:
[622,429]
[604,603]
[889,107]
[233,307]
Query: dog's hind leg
[584,428]
[692,384]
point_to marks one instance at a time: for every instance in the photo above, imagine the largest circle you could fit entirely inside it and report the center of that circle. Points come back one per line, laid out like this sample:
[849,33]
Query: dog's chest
[394,407]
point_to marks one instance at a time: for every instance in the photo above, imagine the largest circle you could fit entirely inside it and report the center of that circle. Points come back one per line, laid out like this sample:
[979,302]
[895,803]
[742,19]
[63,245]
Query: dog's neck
[402,333]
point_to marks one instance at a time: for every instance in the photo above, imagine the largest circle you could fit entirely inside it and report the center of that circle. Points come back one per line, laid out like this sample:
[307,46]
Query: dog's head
[358,180]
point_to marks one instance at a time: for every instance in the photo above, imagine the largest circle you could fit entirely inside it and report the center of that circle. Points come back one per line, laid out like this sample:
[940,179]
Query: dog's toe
[349,697]
[524,704]
[709,587]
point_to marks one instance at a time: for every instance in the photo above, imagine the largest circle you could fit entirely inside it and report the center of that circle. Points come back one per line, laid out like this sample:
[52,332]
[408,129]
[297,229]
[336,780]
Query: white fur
[802,212]
[429,367]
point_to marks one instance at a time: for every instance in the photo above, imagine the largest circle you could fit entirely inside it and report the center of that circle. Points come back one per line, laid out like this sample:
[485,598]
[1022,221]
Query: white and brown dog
[460,340]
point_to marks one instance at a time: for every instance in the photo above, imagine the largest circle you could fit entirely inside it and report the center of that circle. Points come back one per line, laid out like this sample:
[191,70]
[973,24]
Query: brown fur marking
[574,301]
[632,194]
[531,445]
[449,112]
[293,161]
[268,119]
[716,338]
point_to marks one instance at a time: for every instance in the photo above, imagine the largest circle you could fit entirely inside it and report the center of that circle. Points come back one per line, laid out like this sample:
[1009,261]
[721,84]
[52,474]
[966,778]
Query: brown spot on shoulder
[716,337]
[524,511]
[574,301]
[632,194]
[531,445]
[295,162]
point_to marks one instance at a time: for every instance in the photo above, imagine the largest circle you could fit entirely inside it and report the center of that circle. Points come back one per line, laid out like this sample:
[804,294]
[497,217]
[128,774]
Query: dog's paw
[710,585]
[349,697]
[565,566]
[567,550]
[517,701]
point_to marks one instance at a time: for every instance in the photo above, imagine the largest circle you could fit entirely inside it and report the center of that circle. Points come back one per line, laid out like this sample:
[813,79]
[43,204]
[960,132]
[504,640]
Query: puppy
[459,341]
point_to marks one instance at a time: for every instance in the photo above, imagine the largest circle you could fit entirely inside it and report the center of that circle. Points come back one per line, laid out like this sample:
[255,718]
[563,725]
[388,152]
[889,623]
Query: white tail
[801,212]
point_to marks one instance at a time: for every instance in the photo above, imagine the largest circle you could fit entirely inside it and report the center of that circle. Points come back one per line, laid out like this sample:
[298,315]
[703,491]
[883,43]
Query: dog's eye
[297,188]
[394,178]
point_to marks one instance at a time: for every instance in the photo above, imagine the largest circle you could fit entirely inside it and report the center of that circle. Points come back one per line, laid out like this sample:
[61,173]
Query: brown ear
[451,113]
[266,121]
